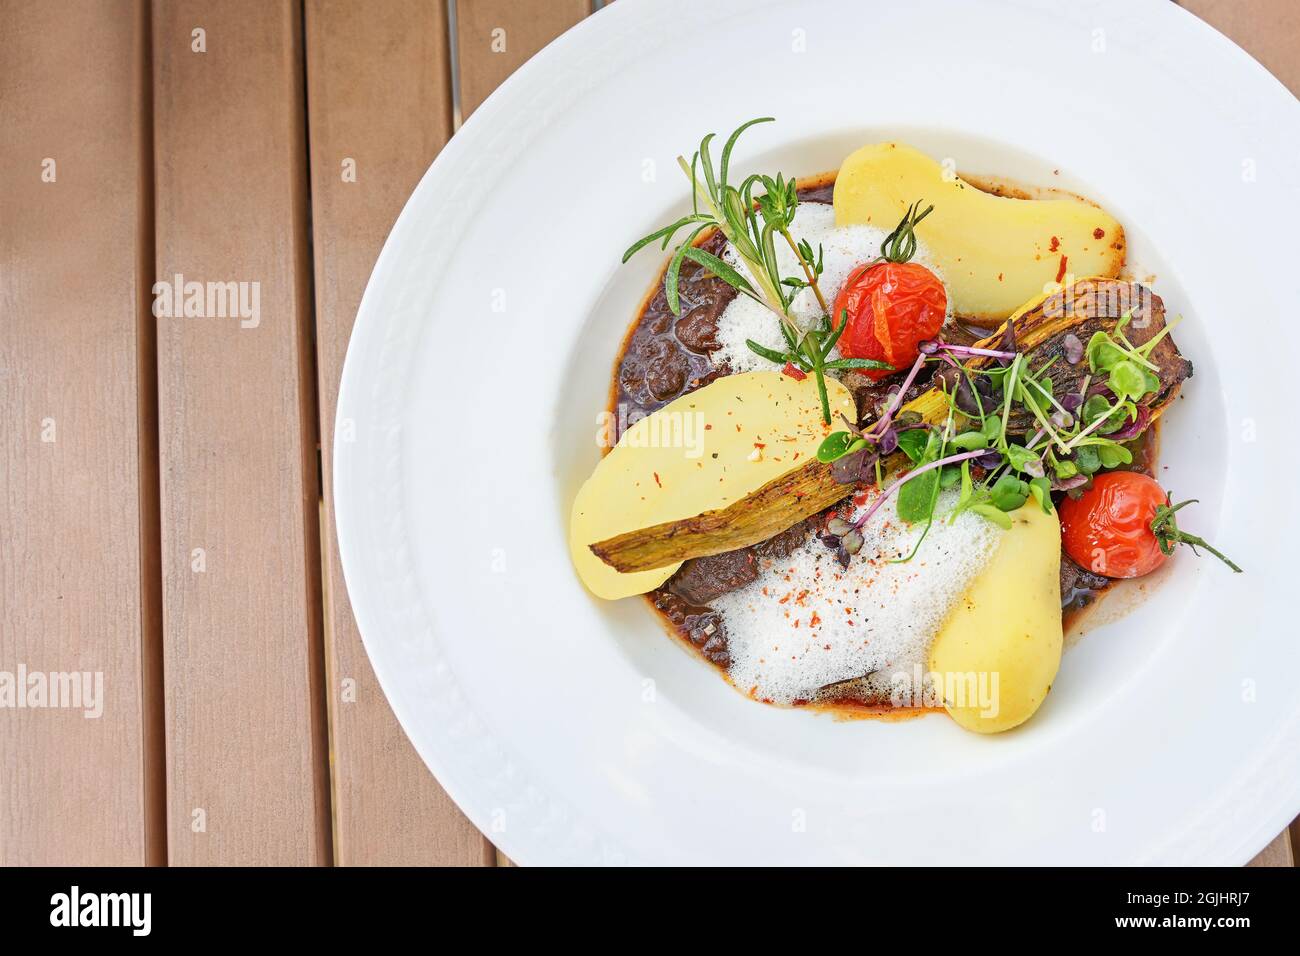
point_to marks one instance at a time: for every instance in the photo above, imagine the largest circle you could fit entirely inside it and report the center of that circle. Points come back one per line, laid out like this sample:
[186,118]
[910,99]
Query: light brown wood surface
[379,92]
[243,662]
[1277,853]
[1269,30]
[495,37]
[78,544]
[280,155]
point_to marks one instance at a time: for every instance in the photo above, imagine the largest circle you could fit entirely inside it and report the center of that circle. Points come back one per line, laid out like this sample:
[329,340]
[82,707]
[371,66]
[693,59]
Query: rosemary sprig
[752,215]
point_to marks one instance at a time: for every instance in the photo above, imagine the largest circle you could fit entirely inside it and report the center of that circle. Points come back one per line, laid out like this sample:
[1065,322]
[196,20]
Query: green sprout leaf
[1129,380]
[913,443]
[835,446]
[969,441]
[1041,489]
[993,513]
[772,355]
[1113,455]
[917,496]
[1087,460]
[1018,456]
[1009,493]
[1103,354]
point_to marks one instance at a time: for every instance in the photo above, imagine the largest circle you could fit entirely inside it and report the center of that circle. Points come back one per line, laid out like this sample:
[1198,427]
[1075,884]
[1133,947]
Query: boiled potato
[700,453]
[1004,634]
[994,253]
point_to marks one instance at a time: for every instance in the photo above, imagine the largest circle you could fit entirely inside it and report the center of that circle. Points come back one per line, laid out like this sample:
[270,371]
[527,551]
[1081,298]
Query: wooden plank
[247,754]
[1277,853]
[1269,30]
[495,37]
[78,550]
[379,99]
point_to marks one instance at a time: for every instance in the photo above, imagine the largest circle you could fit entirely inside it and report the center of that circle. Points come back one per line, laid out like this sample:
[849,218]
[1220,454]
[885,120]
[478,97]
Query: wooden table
[166,480]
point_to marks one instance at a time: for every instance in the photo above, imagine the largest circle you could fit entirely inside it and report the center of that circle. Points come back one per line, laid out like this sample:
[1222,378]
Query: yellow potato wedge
[994,253]
[999,649]
[701,453]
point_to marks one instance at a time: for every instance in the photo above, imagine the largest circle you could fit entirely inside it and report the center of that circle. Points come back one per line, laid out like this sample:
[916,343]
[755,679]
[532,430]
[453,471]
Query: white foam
[806,622]
[844,248]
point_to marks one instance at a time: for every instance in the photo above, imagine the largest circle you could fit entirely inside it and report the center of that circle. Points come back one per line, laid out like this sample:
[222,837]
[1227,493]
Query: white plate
[574,731]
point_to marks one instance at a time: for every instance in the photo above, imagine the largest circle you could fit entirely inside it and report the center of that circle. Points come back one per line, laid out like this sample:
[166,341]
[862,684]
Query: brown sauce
[665,356]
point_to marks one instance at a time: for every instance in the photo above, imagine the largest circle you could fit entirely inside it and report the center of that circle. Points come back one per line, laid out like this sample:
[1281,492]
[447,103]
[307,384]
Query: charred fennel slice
[1047,338]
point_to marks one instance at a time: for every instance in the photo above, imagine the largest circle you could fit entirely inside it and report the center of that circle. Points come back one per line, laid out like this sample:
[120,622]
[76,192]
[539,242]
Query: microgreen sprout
[994,395]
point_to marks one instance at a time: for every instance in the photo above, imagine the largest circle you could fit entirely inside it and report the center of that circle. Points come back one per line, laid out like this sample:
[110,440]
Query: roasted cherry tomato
[891,308]
[1107,529]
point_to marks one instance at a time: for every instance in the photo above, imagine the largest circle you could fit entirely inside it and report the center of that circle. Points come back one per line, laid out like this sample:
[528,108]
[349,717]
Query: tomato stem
[900,245]
[1168,535]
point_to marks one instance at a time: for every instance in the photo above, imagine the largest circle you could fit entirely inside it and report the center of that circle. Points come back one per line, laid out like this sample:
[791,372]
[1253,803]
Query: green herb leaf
[1009,493]
[835,446]
[969,441]
[666,234]
[994,514]
[731,142]
[674,270]
[917,496]
[1098,406]
[1103,353]
[857,363]
[1041,489]
[706,163]
[780,358]
[1113,455]
[719,268]
[1018,456]
[913,442]
[967,492]
[1087,459]
[835,333]
[1128,380]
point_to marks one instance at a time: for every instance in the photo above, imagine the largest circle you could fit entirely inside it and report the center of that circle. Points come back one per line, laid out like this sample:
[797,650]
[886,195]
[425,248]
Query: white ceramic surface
[574,731]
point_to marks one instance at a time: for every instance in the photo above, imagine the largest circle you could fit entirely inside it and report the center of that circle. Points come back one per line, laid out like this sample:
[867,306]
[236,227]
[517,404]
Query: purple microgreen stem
[898,483]
[880,427]
[933,346]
